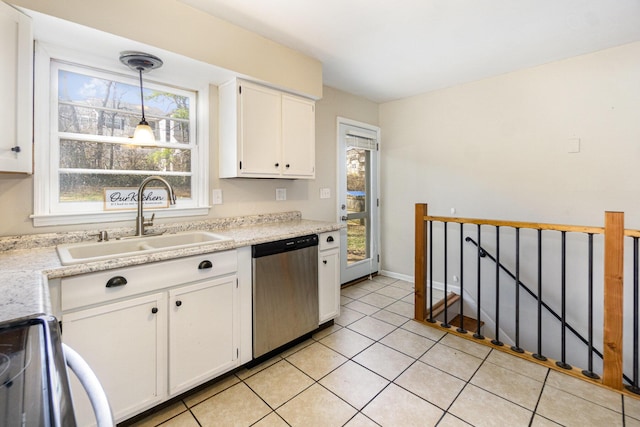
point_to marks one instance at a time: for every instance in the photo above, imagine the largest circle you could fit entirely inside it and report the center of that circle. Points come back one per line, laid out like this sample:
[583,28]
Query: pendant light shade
[142,63]
[144,134]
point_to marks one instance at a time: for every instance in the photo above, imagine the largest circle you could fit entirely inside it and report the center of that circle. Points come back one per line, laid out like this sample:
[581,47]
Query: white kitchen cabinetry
[156,330]
[265,133]
[329,276]
[123,343]
[202,346]
[16,71]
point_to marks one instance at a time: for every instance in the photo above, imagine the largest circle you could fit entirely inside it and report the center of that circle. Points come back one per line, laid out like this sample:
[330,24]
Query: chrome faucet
[141,222]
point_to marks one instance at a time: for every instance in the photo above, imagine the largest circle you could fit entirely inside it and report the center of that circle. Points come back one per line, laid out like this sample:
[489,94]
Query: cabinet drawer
[330,240]
[109,285]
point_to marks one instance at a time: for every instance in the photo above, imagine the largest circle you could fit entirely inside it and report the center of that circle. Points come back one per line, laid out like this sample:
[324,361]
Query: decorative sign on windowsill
[127,198]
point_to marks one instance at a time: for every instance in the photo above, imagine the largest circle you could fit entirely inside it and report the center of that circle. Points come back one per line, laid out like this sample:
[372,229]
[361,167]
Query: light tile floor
[376,366]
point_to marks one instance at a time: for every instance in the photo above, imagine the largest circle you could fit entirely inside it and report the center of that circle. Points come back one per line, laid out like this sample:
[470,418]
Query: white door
[358,201]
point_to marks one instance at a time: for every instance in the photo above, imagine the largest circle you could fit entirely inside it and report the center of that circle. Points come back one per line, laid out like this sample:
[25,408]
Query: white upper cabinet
[16,59]
[265,133]
[298,137]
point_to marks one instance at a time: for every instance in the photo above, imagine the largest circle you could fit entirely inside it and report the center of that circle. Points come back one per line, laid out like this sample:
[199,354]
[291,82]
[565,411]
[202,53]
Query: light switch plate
[573,145]
[217,196]
[325,193]
[281,194]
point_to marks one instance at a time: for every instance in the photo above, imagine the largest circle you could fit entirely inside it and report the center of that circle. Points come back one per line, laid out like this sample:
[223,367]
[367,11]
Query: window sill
[43,220]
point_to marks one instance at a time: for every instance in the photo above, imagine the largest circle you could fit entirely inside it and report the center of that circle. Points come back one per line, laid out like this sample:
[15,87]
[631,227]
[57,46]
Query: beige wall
[240,196]
[498,148]
[176,27]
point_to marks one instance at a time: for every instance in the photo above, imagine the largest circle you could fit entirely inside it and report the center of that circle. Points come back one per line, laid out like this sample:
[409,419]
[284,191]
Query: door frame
[370,265]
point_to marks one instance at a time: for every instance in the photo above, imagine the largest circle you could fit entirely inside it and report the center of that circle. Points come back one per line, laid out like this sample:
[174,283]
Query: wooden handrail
[519,224]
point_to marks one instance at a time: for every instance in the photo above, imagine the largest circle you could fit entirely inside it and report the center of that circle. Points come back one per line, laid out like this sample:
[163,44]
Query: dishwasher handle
[91,384]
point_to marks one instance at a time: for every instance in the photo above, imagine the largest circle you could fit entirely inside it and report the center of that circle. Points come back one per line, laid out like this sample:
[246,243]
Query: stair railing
[613,263]
[588,342]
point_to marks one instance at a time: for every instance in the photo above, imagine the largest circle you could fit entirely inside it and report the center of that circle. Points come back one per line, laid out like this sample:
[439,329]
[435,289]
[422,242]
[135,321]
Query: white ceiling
[390,49]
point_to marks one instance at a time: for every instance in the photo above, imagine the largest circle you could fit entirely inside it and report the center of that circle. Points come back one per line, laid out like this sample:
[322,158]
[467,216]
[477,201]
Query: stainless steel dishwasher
[285,291]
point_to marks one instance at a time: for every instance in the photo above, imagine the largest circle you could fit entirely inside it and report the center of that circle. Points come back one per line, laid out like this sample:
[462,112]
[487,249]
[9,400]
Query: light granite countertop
[27,262]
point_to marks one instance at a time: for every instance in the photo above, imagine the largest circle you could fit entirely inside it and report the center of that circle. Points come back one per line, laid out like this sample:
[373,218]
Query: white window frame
[47,211]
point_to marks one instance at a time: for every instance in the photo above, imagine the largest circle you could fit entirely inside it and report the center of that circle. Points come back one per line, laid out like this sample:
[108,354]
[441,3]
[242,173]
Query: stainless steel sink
[77,253]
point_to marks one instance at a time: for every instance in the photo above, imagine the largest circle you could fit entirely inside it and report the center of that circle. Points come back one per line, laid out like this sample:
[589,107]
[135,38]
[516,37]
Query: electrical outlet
[325,193]
[217,196]
[281,194]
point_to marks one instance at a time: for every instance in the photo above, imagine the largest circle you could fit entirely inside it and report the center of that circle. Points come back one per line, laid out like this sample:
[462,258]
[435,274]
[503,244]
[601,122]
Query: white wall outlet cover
[325,193]
[281,194]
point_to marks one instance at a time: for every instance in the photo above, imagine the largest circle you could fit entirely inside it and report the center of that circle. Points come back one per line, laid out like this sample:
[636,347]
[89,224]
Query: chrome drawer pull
[116,281]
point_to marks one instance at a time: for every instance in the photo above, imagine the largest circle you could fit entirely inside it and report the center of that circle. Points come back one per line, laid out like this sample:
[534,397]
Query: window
[92,114]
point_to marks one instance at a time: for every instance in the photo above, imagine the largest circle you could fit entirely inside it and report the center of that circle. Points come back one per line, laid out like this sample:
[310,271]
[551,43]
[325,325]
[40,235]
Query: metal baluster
[539,355]
[635,387]
[563,301]
[589,372]
[477,334]
[431,320]
[445,324]
[461,329]
[516,347]
[496,340]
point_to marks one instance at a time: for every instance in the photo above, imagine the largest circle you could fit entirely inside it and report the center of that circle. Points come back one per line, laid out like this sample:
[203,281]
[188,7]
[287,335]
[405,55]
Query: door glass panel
[357,204]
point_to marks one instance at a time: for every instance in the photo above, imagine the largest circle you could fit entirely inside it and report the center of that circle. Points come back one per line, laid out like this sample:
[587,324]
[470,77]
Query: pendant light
[142,63]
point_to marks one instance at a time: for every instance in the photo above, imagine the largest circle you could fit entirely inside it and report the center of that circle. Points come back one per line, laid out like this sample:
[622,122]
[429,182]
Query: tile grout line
[535,409]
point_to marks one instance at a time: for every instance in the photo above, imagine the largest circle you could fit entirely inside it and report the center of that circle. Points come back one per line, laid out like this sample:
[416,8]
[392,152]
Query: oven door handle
[91,384]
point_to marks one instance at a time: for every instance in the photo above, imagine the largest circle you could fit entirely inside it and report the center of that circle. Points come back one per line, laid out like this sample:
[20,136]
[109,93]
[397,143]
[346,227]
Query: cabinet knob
[116,281]
[287,166]
[204,265]
[324,261]
[178,303]
[16,149]
[330,239]
[154,310]
[277,165]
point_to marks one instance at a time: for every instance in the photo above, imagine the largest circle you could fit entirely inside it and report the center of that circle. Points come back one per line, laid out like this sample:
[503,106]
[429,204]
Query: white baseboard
[436,285]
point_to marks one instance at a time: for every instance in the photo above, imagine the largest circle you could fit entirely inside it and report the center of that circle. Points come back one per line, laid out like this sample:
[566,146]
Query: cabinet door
[16,70]
[329,285]
[298,137]
[259,131]
[203,329]
[125,345]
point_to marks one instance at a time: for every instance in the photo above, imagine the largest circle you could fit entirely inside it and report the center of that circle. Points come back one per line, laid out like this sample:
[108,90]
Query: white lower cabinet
[153,331]
[203,330]
[124,343]
[329,276]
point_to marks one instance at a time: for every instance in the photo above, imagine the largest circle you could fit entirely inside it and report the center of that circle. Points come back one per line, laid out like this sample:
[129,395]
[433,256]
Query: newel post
[613,299]
[420,266]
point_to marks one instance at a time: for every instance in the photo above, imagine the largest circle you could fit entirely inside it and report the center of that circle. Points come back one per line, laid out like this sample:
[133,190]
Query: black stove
[34,387]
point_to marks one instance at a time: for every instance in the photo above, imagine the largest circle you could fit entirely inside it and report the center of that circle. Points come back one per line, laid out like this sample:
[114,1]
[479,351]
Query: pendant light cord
[143,121]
